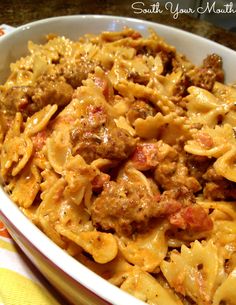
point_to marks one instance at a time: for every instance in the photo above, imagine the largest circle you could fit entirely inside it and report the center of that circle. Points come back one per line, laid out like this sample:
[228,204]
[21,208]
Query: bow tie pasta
[127,153]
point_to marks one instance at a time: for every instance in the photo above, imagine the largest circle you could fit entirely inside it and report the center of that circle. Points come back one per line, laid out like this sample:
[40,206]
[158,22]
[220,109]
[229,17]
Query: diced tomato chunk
[136,35]
[193,217]
[2,32]
[39,140]
[145,156]
[99,180]
[205,140]
[96,115]
[106,86]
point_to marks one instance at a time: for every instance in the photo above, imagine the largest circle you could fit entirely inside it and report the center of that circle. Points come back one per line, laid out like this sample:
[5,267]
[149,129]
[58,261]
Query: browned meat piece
[180,89]
[99,137]
[171,174]
[198,165]
[214,62]
[217,187]
[50,90]
[114,144]
[124,207]
[127,208]
[167,59]
[211,175]
[206,75]
[30,99]
[15,99]
[182,194]
[203,78]
[139,109]
[75,70]
[171,170]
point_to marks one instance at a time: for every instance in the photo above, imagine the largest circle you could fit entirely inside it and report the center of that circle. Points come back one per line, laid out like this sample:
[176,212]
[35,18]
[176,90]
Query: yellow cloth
[19,283]
[16,289]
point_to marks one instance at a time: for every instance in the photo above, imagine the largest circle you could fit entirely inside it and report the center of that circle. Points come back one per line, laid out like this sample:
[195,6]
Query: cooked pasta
[123,152]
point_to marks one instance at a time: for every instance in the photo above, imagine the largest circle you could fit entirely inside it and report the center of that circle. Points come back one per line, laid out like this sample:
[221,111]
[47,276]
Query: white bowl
[75,281]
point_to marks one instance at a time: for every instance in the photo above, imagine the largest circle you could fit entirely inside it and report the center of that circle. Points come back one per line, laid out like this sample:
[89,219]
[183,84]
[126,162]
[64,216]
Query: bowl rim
[29,25]
[13,217]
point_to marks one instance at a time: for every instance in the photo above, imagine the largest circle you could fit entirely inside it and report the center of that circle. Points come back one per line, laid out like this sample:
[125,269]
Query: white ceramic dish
[76,282]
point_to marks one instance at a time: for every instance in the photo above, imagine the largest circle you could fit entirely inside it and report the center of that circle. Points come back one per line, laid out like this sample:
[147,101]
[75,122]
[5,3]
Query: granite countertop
[18,12]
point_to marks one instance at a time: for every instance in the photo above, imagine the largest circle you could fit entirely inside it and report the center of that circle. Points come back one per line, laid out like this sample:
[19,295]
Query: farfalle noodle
[122,151]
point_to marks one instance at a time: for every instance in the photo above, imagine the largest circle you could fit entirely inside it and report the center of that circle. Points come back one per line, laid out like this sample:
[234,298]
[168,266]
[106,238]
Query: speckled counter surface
[18,12]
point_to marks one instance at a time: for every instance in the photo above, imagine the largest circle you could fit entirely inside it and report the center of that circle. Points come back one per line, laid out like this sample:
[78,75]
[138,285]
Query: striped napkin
[20,282]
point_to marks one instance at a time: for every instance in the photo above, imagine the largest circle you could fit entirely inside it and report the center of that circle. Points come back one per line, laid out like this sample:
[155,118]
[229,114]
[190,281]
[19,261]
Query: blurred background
[215,21]
[211,11]
[226,20]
